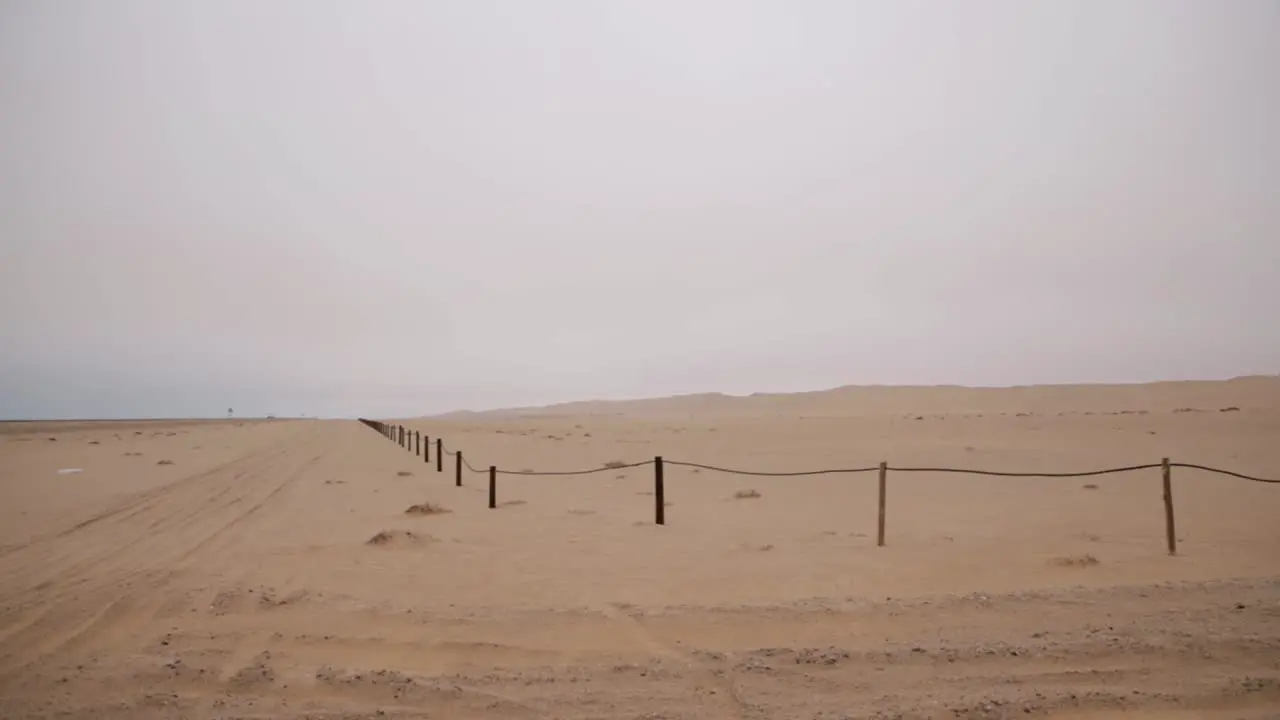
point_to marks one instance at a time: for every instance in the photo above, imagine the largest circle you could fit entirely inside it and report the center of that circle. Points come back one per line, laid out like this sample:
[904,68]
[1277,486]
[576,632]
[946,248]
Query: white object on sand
[69,471]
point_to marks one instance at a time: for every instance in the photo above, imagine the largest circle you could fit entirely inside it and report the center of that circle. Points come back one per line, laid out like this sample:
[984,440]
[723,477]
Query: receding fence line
[398,433]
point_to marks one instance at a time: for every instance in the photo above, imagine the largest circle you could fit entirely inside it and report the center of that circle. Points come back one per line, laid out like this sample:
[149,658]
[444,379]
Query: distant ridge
[1253,391]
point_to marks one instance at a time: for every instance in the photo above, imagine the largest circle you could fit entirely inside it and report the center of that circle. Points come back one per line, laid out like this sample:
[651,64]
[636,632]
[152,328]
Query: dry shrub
[746,495]
[426,509]
[615,464]
[163,462]
[1089,486]
[395,537]
[509,503]
[404,473]
[1233,408]
[1074,561]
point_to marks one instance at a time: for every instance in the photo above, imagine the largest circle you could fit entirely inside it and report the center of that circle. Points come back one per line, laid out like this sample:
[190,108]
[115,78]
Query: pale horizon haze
[405,208]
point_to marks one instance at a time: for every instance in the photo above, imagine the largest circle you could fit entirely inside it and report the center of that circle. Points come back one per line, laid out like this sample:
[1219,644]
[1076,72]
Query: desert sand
[269,569]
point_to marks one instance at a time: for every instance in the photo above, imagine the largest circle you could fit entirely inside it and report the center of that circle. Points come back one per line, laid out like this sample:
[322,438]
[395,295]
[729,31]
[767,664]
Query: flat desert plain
[269,569]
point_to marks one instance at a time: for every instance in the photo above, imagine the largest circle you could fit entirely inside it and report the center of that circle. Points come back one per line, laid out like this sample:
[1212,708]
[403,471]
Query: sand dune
[863,400]
[277,569]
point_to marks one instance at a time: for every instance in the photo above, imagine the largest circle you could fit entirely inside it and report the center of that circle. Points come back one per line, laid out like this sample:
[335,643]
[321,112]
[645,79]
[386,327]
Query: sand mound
[397,538]
[404,473]
[1074,561]
[426,509]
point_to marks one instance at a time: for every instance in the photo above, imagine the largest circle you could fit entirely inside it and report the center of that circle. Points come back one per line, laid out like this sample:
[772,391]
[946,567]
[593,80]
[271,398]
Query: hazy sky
[380,208]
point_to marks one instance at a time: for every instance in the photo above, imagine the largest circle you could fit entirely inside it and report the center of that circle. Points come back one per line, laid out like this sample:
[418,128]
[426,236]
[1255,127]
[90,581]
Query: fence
[420,444]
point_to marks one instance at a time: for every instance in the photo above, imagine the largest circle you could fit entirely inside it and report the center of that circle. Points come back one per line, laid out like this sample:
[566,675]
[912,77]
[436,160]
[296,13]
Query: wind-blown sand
[271,570]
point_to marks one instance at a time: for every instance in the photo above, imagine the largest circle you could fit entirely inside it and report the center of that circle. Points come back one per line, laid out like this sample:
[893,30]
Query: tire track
[731,703]
[98,591]
[135,502]
[63,564]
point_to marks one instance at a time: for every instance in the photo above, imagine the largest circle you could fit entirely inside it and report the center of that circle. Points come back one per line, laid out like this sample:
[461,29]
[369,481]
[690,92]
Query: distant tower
[230,412]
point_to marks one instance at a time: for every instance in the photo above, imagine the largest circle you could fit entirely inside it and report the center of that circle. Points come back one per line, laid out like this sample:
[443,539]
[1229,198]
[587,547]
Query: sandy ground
[237,579]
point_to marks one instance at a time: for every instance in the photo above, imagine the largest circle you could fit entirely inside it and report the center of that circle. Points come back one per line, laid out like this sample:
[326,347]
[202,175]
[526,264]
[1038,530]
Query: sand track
[67,586]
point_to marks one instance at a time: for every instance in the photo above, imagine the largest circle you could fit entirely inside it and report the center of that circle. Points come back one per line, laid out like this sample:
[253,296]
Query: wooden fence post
[659,503]
[457,468]
[426,448]
[884,471]
[439,455]
[417,442]
[493,487]
[1171,534]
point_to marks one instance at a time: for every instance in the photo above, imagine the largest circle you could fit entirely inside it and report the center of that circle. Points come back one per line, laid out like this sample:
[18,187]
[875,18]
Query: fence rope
[1087,473]
[592,471]
[1224,472]
[757,473]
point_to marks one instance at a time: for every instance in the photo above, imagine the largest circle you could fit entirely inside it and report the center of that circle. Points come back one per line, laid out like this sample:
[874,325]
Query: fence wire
[758,473]
[592,471]
[998,473]
[1223,472]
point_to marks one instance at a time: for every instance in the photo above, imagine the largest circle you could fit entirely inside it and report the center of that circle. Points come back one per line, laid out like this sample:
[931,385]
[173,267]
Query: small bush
[615,464]
[746,495]
[395,537]
[426,509]
[164,462]
[1089,486]
[1074,561]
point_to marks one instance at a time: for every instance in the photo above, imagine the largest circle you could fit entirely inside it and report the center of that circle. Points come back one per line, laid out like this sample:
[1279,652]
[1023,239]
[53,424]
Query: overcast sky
[380,208]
